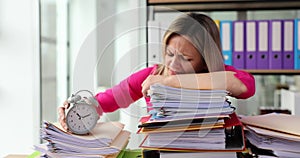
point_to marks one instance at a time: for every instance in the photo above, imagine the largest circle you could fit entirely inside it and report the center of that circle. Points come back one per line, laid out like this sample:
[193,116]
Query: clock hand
[86,115]
[78,116]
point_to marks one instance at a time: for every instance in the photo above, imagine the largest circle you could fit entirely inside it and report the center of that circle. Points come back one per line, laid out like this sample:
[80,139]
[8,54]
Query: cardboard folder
[234,139]
[149,126]
[277,122]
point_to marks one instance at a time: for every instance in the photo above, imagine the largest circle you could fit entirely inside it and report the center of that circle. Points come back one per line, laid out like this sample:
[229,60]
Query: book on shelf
[107,139]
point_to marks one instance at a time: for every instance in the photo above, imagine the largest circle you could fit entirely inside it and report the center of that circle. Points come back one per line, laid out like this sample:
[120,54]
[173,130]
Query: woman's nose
[175,63]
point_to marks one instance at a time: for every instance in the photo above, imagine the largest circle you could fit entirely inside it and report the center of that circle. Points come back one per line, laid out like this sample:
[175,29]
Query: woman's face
[182,57]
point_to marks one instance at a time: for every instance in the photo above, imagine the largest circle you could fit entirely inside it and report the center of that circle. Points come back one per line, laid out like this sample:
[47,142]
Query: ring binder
[226,41]
[263,37]
[250,44]
[297,44]
[275,56]
[238,58]
[288,44]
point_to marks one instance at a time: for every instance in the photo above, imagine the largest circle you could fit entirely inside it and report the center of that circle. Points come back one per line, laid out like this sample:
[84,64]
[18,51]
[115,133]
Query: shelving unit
[221,5]
[268,81]
[241,6]
[273,72]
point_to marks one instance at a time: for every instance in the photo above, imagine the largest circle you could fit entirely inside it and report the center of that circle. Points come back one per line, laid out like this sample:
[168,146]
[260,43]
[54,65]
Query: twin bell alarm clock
[82,117]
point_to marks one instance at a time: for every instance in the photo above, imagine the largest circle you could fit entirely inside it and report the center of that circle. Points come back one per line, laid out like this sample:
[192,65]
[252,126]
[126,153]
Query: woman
[192,59]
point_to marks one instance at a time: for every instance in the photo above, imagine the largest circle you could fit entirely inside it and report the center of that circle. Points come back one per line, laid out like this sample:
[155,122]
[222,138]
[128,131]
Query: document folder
[234,139]
[226,41]
[288,44]
[275,60]
[251,44]
[217,23]
[263,44]
[284,123]
[238,44]
[297,44]
[154,42]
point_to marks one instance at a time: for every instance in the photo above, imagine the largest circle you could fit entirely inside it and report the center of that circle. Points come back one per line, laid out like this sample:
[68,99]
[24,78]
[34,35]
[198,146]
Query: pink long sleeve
[130,89]
[123,94]
[246,78]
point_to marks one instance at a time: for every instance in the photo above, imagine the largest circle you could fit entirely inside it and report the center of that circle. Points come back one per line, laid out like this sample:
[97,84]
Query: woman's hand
[151,80]
[62,115]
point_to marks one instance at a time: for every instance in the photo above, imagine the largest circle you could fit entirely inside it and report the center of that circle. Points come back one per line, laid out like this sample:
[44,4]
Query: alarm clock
[82,117]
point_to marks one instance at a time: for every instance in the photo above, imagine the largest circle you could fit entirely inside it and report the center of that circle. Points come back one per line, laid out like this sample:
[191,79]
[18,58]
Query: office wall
[19,81]
[83,44]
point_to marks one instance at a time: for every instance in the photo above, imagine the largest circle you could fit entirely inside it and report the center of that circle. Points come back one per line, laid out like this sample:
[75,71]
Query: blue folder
[296,44]
[226,41]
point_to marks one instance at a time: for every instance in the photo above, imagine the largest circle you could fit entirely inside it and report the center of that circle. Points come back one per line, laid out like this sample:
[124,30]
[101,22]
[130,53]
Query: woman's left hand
[151,80]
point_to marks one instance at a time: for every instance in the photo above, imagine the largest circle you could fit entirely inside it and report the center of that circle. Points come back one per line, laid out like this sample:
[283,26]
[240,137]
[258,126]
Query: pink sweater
[130,89]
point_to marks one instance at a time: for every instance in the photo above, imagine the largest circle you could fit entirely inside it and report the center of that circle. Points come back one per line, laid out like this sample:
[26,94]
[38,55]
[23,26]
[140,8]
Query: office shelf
[222,5]
[156,6]
[273,72]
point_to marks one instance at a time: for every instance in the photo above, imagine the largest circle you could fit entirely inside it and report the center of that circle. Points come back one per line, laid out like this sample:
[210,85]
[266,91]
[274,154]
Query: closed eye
[169,53]
[185,58]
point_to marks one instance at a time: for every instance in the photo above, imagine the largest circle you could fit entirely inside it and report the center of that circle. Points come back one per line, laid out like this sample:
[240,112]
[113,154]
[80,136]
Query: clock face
[81,118]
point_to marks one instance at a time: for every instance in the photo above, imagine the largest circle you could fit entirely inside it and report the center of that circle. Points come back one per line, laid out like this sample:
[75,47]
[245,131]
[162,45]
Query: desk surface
[16,156]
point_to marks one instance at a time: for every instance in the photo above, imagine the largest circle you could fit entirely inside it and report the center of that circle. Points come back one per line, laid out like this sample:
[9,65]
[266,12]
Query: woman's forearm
[215,80]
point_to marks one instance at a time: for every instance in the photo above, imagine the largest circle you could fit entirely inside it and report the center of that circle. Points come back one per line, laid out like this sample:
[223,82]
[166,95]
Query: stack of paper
[177,103]
[277,134]
[197,139]
[190,121]
[105,140]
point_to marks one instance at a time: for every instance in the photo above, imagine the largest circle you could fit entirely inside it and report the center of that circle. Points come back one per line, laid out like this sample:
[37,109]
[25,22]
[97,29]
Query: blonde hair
[203,33]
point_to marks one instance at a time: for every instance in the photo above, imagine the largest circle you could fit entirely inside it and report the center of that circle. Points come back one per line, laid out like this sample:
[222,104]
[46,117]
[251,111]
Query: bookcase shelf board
[218,5]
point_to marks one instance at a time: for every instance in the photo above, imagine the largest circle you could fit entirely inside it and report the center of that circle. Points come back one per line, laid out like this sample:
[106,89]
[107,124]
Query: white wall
[19,81]
[82,20]
[130,56]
